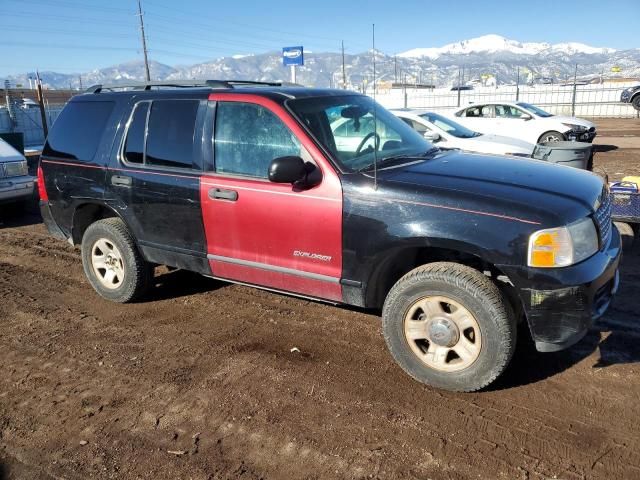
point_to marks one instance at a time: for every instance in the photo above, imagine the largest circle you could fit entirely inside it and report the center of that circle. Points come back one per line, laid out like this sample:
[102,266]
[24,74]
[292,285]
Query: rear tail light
[42,191]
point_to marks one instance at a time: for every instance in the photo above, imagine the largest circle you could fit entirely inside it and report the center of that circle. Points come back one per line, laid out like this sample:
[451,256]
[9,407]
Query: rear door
[263,233]
[510,121]
[479,118]
[155,181]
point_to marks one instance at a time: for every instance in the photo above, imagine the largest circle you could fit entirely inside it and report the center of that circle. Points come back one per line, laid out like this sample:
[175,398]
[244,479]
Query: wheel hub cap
[443,332]
[107,263]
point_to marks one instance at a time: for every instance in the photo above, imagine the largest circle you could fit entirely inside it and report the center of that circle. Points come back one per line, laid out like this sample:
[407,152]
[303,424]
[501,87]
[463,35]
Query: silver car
[15,182]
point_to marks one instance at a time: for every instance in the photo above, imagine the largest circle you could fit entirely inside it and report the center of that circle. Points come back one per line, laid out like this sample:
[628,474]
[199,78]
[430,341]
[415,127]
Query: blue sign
[292,56]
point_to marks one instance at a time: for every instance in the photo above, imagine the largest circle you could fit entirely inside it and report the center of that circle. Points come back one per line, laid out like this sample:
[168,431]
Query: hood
[574,121]
[8,153]
[505,183]
[504,144]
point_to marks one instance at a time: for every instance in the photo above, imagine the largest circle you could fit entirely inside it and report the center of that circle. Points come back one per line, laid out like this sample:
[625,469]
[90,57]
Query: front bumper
[561,304]
[13,189]
[582,136]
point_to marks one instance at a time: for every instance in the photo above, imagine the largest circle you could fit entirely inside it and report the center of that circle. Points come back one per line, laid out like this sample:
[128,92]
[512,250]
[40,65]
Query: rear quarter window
[77,132]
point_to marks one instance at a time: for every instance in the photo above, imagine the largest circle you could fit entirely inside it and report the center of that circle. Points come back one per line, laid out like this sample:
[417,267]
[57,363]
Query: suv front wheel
[449,326]
[112,263]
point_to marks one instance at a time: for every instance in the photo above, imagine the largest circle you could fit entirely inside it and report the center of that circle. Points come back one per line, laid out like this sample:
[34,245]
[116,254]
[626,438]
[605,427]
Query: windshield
[449,126]
[346,126]
[533,109]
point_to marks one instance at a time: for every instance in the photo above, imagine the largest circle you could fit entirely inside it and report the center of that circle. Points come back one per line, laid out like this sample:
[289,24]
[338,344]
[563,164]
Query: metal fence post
[459,85]
[10,106]
[518,84]
[573,99]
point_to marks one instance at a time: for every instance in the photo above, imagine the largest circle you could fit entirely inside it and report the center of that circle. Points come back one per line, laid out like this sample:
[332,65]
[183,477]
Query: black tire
[138,273]
[636,102]
[475,292]
[546,137]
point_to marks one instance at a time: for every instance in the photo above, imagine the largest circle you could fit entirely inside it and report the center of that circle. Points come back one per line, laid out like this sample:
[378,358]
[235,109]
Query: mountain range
[489,55]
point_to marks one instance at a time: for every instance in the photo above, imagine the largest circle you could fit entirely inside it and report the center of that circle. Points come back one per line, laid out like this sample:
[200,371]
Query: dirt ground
[199,381]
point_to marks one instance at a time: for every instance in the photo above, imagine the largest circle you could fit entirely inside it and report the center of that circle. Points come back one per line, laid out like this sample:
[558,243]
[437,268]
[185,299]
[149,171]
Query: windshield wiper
[403,156]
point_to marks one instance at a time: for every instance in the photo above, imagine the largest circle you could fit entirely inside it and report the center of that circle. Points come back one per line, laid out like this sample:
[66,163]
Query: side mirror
[526,117]
[287,170]
[432,136]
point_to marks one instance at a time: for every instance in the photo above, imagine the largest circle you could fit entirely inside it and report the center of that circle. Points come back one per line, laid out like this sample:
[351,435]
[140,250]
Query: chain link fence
[600,100]
[20,114]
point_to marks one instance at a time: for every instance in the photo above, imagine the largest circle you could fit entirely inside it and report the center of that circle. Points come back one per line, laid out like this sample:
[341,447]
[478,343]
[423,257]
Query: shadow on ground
[604,148]
[615,337]
[179,283]
[21,214]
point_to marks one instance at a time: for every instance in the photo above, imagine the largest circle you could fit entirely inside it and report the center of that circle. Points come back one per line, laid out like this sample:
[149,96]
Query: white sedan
[524,121]
[447,134]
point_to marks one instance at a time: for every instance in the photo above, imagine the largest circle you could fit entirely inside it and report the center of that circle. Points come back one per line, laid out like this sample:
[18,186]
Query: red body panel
[297,233]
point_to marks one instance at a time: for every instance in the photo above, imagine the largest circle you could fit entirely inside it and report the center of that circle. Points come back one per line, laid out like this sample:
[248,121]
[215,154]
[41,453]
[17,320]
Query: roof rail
[184,84]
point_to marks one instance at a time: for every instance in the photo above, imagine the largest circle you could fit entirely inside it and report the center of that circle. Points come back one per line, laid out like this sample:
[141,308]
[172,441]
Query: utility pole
[144,43]
[344,73]
[43,114]
[80,80]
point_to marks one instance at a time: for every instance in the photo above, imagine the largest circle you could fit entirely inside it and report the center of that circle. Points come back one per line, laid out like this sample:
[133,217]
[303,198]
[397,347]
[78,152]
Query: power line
[219,21]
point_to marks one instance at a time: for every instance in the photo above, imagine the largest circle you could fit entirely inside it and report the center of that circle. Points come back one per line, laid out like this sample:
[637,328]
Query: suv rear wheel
[449,326]
[112,263]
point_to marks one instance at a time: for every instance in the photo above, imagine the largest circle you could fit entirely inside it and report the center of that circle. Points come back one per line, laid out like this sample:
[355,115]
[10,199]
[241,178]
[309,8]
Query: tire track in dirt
[482,427]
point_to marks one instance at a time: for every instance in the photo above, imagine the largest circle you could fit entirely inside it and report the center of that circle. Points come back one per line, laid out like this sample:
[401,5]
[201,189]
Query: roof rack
[185,84]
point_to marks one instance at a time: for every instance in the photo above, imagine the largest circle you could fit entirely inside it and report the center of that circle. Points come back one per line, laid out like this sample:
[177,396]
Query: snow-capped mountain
[495,43]
[488,55]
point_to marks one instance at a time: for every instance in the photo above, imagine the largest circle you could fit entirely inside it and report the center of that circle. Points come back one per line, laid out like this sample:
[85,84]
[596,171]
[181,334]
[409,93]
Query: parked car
[16,185]
[525,121]
[248,184]
[631,95]
[447,134]
[27,103]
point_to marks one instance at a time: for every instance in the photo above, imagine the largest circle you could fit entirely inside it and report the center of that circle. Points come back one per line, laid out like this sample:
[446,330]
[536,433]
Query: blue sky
[80,35]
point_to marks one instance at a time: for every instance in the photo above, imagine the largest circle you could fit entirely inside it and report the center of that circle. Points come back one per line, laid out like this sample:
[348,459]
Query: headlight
[563,246]
[16,169]
[576,128]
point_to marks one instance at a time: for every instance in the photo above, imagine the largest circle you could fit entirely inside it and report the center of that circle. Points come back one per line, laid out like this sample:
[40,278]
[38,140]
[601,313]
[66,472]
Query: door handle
[121,180]
[222,194]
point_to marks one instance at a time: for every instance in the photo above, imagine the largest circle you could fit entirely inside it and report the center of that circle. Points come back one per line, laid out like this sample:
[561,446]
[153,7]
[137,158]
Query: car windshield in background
[348,127]
[533,109]
[449,126]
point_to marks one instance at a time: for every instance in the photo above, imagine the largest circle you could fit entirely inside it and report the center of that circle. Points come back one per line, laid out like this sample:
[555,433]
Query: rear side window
[134,146]
[248,137]
[170,133]
[163,137]
[76,133]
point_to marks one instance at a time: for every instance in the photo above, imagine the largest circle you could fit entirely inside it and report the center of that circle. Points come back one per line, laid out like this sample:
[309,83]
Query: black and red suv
[326,195]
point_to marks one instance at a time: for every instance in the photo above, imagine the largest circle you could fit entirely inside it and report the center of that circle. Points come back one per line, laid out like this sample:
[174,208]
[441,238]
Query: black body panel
[161,205]
[483,208]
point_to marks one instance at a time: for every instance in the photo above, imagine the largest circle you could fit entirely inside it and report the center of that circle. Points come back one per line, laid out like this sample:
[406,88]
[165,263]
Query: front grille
[603,217]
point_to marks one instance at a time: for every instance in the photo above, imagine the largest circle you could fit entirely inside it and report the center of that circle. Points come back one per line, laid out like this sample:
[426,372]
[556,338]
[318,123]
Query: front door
[263,233]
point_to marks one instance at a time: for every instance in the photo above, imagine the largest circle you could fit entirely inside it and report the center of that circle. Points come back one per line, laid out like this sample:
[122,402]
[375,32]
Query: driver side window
[248,137]
[507,111]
